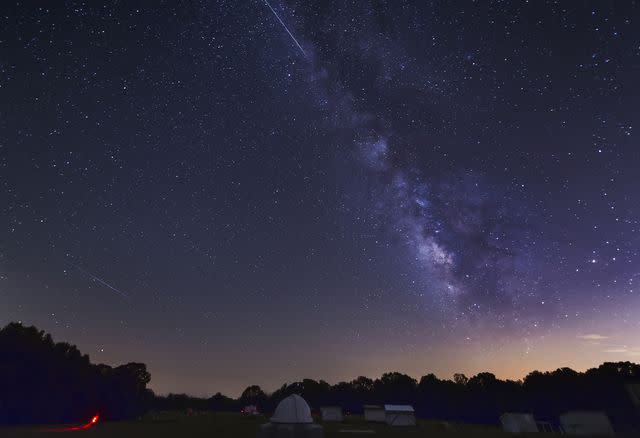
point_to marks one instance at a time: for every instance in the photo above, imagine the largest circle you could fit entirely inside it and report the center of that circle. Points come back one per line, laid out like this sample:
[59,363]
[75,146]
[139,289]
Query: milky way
[360,187]
[457,229]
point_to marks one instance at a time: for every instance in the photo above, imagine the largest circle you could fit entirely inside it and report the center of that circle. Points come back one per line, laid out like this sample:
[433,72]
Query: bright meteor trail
[99,280]
[286,28]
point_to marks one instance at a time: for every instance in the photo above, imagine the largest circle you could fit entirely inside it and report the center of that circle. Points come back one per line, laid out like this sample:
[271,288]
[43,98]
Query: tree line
[479,399]
[42,381]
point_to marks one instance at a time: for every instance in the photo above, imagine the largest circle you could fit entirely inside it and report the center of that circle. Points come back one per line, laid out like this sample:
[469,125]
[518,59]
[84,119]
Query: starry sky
[241,192]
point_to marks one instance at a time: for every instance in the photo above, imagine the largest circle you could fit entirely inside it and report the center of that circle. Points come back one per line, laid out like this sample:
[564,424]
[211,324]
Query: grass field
[223,425]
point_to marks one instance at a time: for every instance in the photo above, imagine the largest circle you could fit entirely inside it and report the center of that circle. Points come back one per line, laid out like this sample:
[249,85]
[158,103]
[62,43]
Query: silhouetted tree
[42,381]
[460,379]
[253,395]
[395,388]
[222,403]
[180,402]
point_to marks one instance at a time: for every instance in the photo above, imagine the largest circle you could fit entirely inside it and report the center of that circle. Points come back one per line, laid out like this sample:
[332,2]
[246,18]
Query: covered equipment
[374,413]
[399,415]
[515,422]
[586,423]
[331,413]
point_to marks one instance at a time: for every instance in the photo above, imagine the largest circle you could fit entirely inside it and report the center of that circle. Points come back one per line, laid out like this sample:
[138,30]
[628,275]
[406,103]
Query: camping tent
[586,423]
[399,415]
[331,413]
[292,419]
[374,413]
[518,422]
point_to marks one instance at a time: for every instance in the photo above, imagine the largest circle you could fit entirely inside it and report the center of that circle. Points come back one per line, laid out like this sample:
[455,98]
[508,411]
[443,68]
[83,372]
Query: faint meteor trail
[286,28]
[99,280]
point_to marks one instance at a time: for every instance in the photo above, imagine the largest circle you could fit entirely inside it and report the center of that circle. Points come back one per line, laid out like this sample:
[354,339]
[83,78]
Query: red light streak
[91,423]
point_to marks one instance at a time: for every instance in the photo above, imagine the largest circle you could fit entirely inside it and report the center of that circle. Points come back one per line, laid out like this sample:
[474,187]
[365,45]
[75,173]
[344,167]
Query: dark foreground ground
[222,425]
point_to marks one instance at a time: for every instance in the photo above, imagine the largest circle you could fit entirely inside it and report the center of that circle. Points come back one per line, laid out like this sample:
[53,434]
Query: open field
[231,425]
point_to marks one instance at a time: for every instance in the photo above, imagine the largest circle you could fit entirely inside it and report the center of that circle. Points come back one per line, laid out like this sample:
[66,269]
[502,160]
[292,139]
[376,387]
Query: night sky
[392,186]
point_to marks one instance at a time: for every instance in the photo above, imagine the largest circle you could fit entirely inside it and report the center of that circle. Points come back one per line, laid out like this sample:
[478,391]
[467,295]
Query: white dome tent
[292,419]
[292,410]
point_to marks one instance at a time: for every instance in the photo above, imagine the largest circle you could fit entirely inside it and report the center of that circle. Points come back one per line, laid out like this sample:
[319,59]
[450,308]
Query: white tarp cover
[586,423]
[518,422]
[331,413]
[399,415]
[292,410]
[374,413]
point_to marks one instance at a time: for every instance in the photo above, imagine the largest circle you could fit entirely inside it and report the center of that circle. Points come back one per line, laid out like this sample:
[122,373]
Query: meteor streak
[99,280]
[286,28]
